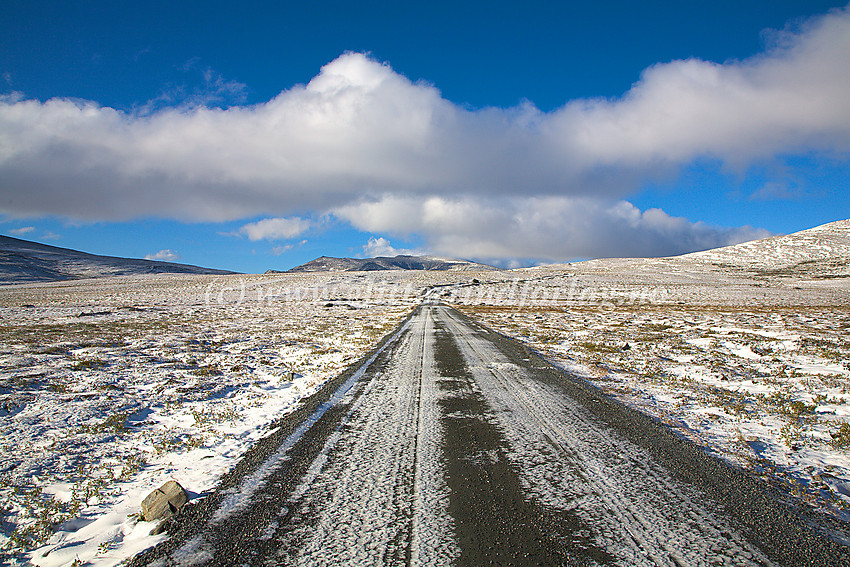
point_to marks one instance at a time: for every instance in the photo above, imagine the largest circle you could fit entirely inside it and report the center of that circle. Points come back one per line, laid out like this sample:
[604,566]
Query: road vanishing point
[450,444]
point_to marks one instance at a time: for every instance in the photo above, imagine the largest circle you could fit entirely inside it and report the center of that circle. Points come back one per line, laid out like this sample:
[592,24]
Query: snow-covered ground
[109,388]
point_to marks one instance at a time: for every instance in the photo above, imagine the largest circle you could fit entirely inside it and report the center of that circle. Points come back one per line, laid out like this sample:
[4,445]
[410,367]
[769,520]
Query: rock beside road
[164,502]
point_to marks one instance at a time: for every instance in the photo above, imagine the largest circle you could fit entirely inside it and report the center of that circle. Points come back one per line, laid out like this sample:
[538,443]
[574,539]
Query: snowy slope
[22,261]
[381,263]
[828,243]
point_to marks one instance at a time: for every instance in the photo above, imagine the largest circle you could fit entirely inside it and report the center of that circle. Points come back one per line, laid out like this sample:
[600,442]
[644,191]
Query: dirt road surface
[452,445]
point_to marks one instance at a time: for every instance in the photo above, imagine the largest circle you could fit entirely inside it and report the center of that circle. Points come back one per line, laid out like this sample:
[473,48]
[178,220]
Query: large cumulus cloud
[540,228]
[358,128]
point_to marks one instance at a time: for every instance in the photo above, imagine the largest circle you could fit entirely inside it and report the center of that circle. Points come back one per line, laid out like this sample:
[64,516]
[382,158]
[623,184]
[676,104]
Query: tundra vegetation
[110,387]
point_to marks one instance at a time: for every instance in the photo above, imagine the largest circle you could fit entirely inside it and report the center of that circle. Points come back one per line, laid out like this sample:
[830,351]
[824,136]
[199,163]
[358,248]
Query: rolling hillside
[22,261]
[401,262]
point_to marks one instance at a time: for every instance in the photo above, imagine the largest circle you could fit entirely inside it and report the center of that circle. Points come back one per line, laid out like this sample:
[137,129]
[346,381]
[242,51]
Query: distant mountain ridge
[23,261]
[381,263]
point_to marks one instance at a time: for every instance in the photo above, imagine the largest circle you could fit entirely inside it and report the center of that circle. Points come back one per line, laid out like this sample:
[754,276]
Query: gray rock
[164,502]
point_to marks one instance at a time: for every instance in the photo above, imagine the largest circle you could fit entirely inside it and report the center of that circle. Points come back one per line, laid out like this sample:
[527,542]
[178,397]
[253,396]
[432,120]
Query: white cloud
[544,228]
[22,230]
[360,127]
[275,229]
[164,256]
[488,183]
[380,246]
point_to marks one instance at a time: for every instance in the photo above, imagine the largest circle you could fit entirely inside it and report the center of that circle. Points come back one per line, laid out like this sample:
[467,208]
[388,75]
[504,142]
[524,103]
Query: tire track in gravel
[379,499]
[630,506]
[495,522]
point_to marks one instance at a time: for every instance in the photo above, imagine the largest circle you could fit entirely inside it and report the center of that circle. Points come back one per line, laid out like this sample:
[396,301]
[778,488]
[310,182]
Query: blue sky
[265,134]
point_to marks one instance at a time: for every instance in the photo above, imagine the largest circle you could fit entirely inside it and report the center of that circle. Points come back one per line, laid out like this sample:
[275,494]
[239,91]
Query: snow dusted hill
[22,261]
[823,248]
[401,262]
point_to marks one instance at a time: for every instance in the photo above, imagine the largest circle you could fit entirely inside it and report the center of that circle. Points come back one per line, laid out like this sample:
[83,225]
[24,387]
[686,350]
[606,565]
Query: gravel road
[453,445]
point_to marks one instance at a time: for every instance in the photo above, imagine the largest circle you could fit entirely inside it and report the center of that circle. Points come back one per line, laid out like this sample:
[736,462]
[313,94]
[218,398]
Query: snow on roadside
[109,388]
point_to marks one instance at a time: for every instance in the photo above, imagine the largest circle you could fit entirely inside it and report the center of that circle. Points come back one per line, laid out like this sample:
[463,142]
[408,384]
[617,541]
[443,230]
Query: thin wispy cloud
[360,136]
[280,250]
[21,231]
[214,91]
[776,191]
[284,248]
